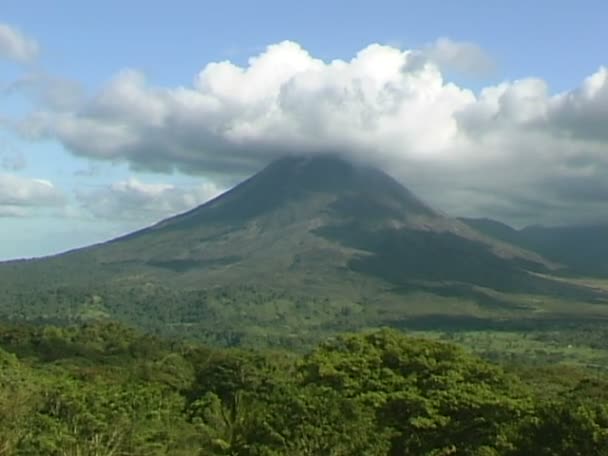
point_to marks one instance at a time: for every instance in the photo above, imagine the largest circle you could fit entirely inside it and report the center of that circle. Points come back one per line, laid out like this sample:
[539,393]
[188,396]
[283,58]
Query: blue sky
[498,113]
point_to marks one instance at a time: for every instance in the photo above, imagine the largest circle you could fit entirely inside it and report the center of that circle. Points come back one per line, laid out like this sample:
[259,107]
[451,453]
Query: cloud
[19,195]
[134,200]
[16,46]
[12,212]
[513,148]
[583,112]
[284,101]
[460,56]
[48,91]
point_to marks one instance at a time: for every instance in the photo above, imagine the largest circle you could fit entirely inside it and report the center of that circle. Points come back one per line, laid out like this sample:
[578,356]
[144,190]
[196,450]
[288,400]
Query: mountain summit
[293,181]
[314,227]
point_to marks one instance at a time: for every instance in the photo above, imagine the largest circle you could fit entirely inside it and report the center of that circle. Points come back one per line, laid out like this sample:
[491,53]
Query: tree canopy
[104,389]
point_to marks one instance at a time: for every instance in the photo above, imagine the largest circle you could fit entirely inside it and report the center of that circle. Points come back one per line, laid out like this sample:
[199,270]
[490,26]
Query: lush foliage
[103,389]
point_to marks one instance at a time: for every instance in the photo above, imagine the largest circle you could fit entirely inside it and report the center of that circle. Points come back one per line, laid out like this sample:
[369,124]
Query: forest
[103,388]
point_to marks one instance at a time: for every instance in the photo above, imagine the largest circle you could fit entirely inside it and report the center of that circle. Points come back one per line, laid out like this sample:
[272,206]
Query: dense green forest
[101,388]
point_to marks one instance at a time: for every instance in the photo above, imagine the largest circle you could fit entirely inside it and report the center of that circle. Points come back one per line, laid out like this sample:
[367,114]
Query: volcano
[344,235]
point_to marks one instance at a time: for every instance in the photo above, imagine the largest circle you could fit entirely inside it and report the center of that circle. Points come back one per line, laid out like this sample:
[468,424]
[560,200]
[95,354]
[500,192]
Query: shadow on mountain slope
[403,256]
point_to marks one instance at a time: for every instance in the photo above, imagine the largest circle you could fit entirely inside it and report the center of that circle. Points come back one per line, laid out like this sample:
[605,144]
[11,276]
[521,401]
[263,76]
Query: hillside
[306,247]
[580,249]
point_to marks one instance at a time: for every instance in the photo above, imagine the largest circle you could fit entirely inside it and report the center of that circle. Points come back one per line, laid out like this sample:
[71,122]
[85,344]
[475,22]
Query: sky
[114,115]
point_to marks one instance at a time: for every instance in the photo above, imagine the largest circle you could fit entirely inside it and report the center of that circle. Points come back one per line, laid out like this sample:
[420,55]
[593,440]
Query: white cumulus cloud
[284,101]
[512,150]
[20,195]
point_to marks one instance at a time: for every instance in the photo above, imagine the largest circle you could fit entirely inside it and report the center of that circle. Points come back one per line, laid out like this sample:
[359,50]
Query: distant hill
[580,249]
[306,246]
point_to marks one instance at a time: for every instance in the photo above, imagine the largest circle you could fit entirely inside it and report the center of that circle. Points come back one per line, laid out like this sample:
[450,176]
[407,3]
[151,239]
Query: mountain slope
[581,249]
[302,204]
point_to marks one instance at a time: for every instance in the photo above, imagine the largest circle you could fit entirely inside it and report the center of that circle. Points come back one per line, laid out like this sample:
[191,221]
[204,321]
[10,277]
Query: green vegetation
[104,389]
[585,346]
[263,317]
